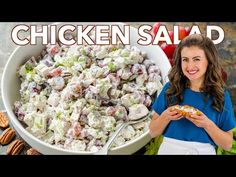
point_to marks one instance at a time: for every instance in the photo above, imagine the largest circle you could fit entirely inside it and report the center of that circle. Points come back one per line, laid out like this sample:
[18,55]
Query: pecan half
[4,121]
[15,147]
[32,151]
[7,135]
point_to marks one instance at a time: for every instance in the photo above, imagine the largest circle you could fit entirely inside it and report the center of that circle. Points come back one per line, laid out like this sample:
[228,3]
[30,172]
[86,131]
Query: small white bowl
[10,87]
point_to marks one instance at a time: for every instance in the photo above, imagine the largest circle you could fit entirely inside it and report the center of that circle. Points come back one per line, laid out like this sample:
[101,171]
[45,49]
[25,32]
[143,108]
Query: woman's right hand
[159,122]
[171,114]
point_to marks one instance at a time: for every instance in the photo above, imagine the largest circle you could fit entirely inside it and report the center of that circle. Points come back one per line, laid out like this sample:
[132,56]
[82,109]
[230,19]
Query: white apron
[172,146]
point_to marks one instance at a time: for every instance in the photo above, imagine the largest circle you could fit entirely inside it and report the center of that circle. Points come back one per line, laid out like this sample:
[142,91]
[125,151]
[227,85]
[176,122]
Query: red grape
[187,29]
[168,49]
[156,27]
[171,34]
[182,33]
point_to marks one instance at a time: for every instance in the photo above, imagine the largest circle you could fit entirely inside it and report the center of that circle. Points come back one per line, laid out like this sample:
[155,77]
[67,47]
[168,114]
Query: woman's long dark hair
[213,84]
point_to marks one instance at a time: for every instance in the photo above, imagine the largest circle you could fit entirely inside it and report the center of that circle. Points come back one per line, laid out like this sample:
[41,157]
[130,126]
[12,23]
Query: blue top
[185,130]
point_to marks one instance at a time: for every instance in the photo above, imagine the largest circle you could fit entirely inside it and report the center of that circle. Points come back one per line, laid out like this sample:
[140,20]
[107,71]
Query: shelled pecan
[15,147]
[32,151]
[7,135]
[4,121]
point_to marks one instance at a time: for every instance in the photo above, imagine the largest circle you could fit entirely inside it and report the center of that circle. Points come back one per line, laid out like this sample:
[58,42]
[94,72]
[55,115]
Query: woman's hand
[200,120]
[160,122]
[170,114]
[224,139]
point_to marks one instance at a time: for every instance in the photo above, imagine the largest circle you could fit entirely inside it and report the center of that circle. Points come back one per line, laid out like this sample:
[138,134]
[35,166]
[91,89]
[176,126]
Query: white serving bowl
[10,86]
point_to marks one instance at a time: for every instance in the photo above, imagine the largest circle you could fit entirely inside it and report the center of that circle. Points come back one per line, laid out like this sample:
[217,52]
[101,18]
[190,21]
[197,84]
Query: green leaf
[114,49]
[232,151]
[219,151]
[112,67]
[153,146]
[234,133]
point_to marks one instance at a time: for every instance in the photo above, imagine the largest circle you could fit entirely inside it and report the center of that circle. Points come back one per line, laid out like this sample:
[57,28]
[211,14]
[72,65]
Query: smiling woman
[195,80]
[194,65]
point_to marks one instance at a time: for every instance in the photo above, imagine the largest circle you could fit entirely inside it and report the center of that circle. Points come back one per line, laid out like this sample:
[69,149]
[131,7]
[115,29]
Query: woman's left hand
[200,120]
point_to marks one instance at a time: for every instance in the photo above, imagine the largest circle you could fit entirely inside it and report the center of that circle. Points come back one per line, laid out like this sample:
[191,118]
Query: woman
[194,80]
